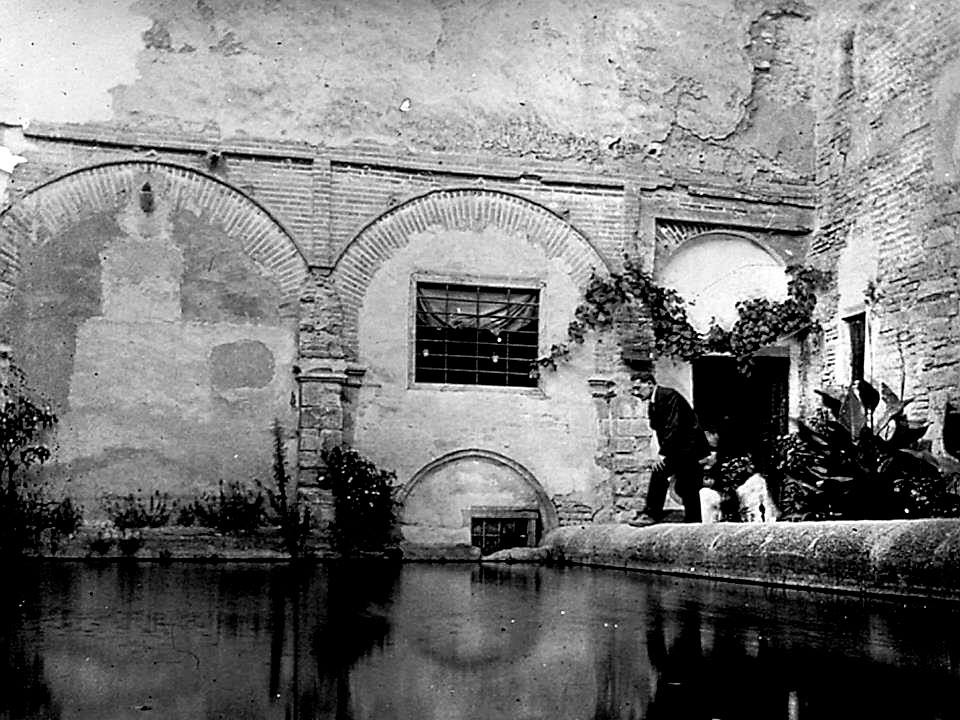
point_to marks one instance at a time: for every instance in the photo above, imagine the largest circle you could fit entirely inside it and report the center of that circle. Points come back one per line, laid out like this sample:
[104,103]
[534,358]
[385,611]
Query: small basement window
[476,335]
[493,529]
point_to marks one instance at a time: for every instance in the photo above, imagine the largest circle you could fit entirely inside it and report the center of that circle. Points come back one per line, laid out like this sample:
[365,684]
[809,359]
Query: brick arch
[456,209]
[548,511]
[704,236]
[53,206]
[715,270]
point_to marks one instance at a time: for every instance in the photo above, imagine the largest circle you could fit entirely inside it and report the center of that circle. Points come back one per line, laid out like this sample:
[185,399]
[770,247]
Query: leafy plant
[192,513]
[633,295]
[31,520]
[130,543]
[848,464]
[235,509]
[101,543]
[293,517]
[132,511]
[364,505]
[29,517]
[725,478]
[24,423]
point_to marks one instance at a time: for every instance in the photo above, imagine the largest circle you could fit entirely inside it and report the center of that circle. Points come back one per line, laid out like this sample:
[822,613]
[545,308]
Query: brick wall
[360,193]
[353,210]
[886,174]
[280,177]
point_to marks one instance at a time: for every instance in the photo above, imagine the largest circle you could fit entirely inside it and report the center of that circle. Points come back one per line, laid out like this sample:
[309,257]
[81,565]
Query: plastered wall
[161,345]
[719,86]
[611,115]
[552,431]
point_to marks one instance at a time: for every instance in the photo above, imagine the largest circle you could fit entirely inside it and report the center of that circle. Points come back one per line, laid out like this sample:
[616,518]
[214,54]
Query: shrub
[364,505]
[847,465]
[30,519]
[28,515]
[235,509]
[133,512]
[24,423]
[130,543]
[102,542]
[292,516]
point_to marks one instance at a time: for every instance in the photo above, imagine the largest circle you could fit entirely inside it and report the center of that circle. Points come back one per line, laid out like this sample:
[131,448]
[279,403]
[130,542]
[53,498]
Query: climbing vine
[608,299]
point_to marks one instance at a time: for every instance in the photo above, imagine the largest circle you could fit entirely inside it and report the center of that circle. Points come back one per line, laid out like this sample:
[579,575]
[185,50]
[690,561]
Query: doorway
[749,410]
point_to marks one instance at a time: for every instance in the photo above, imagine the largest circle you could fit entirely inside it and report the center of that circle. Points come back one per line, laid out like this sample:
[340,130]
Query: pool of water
[458,642]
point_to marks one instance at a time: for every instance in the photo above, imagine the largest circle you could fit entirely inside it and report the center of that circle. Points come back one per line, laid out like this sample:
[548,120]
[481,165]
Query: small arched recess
[440,499]
[715,269]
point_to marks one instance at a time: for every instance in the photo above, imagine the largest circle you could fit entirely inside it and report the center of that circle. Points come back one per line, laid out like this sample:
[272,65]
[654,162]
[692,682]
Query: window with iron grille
[476,335]
[493,534]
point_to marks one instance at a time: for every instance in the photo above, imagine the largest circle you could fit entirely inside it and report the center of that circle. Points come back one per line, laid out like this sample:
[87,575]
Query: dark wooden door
[749,410]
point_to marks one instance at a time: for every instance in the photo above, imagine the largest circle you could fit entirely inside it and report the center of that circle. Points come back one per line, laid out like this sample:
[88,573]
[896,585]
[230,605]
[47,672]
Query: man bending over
[682,446]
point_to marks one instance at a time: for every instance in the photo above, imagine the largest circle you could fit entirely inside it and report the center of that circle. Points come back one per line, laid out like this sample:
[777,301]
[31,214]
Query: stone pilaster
[321,323]
[323,380]
[623,449]
[326,390]
[320,426]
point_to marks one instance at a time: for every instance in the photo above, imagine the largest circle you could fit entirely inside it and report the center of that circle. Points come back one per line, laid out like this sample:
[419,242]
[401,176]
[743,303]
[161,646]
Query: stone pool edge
[918,558]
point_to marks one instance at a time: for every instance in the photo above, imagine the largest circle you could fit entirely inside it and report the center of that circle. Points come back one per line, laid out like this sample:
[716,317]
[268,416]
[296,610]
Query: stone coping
[208,545]
[919,558]
[173,543]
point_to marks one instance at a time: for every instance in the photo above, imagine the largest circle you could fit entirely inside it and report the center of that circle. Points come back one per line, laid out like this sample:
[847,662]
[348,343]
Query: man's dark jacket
[678,431]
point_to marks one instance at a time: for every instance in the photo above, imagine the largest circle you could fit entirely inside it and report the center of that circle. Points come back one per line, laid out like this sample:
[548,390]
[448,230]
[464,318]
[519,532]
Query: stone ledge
[519,555]
[179,543]
[896,557]
[421,552]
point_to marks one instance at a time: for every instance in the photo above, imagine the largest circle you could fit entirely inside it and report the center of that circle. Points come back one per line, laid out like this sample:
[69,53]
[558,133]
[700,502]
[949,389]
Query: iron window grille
[494,528]
[493,534]
[476,335]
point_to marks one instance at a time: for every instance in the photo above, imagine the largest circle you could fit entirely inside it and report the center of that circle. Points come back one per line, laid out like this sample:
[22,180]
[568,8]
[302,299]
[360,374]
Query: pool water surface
[451,642]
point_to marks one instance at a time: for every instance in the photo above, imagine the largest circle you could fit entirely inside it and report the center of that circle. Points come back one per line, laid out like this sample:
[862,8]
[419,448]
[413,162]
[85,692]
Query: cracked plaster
[553,78]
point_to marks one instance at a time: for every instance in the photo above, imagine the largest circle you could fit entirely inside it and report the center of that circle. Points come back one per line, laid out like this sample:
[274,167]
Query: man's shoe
[643,520]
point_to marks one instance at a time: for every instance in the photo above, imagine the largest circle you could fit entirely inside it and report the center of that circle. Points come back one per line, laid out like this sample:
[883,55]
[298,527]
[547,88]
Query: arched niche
[714,270]
[52,208]
[155,307]
[440,500]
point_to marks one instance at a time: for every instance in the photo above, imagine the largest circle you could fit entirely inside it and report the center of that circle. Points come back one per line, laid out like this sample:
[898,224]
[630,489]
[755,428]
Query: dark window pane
[472,335]
[492,534]
[857,327]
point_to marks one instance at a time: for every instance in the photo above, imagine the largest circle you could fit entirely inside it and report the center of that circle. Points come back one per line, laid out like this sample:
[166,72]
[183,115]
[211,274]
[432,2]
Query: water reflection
[438,641]
[27,692]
